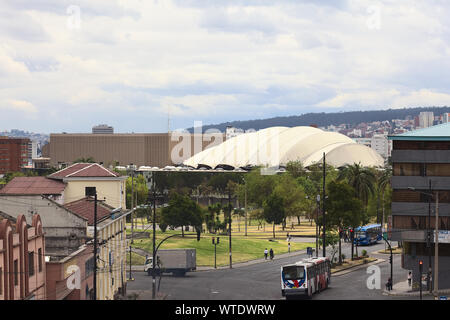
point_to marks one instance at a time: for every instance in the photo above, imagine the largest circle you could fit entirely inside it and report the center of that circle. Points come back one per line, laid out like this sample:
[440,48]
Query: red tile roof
[83,170]
[33,186]
[85,208]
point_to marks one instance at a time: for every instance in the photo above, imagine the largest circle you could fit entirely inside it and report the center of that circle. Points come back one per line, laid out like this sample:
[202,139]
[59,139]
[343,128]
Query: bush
[364,253]
[343,256]
[163,227]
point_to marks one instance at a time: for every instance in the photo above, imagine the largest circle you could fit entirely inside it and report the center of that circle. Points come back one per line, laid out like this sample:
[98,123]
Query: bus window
[293,273]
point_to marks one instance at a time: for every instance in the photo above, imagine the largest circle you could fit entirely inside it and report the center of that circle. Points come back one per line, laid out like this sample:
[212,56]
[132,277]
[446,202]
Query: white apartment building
[426,119]
[381,144]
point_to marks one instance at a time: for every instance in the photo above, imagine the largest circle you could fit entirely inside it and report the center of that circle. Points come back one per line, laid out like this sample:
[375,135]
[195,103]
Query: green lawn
[243,248]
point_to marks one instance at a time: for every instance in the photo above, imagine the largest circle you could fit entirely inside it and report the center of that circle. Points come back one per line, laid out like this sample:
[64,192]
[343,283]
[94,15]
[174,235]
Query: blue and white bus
[368,235]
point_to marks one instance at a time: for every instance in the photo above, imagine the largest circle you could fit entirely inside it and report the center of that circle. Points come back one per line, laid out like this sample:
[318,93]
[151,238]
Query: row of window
[420,196]
[419,222]
[421,145]
[31,271]
[422,169]
[318,269]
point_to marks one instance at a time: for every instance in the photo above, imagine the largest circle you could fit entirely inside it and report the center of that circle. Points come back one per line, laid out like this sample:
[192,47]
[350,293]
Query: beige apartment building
[141,149]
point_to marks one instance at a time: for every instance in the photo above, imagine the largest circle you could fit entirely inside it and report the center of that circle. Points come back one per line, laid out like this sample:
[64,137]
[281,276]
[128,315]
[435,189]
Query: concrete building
[22,263]
[102,129]
[112,249]
[421,166]
[381,144]
[426,119]
[71,278]
[146,149]
[13,154]
[111,186]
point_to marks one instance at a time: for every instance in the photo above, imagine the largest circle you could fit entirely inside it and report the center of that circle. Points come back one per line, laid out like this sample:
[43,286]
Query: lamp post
[323,211]
[153,196]
[317,225]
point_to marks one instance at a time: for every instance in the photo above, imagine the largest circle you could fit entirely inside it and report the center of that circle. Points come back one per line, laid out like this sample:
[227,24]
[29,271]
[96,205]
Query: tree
[140,190]
[181,212]
[362,179]
[84,160]
[344,210]
[274,210]
[292,194]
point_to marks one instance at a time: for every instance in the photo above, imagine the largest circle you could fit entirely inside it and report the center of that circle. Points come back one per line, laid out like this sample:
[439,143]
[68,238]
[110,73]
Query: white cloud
[217,60]
[19,106]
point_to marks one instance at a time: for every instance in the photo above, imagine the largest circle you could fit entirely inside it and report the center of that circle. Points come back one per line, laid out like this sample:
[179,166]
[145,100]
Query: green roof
[439,132]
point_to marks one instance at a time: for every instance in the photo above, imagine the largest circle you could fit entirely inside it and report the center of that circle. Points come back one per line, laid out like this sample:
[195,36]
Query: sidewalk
[403,289]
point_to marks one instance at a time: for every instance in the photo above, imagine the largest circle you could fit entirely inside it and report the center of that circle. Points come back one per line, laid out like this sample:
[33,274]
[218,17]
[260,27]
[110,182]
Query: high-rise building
[13,154]
[421,173]
[426,119]
[446,117]
[103,129]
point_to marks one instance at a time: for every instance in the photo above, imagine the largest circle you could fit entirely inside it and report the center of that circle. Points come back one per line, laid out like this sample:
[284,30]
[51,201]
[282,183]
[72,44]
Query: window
[16,272]
[31,263]
[409,169]
[40,259]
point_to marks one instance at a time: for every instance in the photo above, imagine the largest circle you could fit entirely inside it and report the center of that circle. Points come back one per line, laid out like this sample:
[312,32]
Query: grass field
[243,248]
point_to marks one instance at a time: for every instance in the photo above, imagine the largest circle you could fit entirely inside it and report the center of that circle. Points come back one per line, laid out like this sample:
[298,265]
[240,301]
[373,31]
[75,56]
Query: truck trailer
[175,261]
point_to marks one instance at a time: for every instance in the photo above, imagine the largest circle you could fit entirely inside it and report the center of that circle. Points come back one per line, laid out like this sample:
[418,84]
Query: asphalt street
[261,281]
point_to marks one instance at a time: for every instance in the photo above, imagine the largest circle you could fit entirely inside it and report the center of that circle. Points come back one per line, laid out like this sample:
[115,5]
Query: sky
[67,65]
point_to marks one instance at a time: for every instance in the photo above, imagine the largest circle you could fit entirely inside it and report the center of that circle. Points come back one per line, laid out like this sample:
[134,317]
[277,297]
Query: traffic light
[213,240]
[198,235]
[390,259]
[218,240]
[351,233]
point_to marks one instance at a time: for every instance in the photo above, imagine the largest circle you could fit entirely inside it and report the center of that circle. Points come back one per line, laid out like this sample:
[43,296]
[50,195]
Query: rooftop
[83,170]
[439,132]
[33,186]
[85,208]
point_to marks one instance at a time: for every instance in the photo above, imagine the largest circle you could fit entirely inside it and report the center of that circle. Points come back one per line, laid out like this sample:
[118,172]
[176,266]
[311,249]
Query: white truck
[175,261]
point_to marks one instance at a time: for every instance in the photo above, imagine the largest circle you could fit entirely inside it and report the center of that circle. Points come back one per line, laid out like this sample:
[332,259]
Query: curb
[359,266]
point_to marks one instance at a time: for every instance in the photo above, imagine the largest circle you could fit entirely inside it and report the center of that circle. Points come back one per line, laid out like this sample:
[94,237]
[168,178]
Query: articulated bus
[305,277]
[368,235]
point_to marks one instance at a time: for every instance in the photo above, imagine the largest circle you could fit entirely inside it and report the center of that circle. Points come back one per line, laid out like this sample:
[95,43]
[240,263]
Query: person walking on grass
[265,254]
[271,254]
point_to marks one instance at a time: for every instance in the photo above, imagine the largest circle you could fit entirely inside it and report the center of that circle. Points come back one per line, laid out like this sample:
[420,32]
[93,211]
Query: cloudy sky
[66,65]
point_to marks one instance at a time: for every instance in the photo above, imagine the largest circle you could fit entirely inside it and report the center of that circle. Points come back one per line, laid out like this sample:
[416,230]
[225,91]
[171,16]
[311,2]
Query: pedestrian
[409,278]
[389,284]
[288,238]
[271,254]
[289,247]
[265,254]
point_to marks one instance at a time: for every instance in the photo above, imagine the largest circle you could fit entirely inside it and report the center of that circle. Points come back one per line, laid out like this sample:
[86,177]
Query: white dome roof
[278,145]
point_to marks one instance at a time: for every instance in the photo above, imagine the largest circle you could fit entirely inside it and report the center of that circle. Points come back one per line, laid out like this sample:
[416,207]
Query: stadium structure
[276,146]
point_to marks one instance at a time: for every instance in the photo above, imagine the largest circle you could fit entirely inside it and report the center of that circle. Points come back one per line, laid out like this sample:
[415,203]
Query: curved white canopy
[278,145]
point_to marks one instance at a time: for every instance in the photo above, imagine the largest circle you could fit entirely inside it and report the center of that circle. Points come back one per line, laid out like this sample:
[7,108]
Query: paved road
[262,281]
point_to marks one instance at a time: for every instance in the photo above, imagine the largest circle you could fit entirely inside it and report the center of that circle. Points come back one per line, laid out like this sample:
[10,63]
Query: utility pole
[436,247]
[92,191]
[245,204]
[429,239]
[317,225]
[323,210]
[154,244]
[229,210]
[95,244]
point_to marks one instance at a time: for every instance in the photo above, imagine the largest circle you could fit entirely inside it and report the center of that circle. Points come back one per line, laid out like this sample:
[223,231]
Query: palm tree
[384,181]
[362,179]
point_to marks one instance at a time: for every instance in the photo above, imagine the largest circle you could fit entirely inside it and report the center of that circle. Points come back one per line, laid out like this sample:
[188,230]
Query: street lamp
[153,196]
[436,244]
[317,225]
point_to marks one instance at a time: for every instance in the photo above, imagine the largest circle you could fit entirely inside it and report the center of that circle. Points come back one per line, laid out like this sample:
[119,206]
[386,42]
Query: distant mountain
[325,119]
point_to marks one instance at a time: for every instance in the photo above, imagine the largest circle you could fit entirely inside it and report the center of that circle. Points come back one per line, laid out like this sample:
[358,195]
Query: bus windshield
[361,234]
[293,273]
